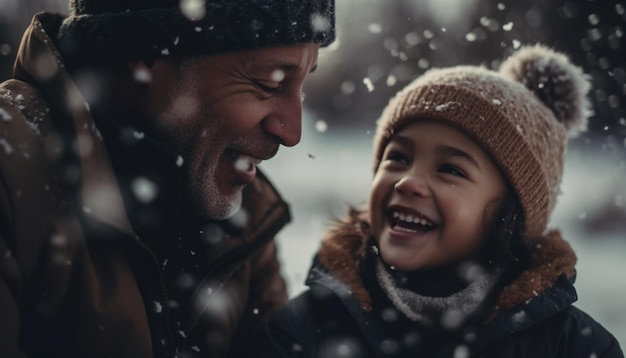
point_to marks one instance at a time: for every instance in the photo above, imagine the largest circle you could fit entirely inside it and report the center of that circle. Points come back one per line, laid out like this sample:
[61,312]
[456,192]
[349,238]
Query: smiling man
[134,221]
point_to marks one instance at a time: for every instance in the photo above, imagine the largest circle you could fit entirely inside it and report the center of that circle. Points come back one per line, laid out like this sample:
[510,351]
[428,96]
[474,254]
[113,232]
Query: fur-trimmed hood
[533,316]
[345,247]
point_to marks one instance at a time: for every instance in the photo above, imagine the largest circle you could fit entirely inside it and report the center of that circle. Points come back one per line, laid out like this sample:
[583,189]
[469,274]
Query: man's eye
[452,169]
[268,89]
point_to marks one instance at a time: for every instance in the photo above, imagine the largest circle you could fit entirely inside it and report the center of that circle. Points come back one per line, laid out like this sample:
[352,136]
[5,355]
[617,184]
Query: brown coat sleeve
[267,290]
[9,282]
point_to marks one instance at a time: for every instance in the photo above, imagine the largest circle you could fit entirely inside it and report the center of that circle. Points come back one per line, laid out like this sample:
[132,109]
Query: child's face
[433,197]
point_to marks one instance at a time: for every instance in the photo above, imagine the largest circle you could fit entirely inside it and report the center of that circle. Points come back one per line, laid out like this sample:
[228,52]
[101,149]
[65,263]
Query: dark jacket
[532,317]
[75,279]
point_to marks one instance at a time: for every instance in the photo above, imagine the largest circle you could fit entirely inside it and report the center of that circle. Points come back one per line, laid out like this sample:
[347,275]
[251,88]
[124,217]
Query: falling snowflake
[142,75]
[321,126]
[158,308]
[461,351]
[193,9]
[320,23]
[390,346]
[278,75]
[347,88]
[139,135]
[8,149]
[5,115]
[144,189]
[368,83]
[374,28]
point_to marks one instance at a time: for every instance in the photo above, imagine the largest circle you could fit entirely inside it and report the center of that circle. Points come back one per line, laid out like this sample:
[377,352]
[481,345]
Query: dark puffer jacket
[532,317]
[75,280]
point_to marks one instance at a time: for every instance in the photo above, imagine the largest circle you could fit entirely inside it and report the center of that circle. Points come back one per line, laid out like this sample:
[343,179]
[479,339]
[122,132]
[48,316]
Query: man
[133,219]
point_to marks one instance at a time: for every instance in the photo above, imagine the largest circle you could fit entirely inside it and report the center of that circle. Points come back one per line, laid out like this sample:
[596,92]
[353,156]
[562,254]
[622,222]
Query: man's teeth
[246,163]
[412,219]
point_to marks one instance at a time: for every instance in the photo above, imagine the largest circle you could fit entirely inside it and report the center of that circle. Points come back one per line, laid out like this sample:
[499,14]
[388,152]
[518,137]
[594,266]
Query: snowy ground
[327,172]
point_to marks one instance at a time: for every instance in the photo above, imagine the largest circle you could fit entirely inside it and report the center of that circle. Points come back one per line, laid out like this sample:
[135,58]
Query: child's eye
[452,169]
[397,157]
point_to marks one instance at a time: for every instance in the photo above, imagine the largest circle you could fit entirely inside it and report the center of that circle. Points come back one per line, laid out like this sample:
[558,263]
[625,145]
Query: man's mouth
[246,163]
[410,222]
[243,164]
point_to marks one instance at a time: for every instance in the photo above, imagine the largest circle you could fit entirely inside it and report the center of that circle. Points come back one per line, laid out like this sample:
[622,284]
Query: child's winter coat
[345,313]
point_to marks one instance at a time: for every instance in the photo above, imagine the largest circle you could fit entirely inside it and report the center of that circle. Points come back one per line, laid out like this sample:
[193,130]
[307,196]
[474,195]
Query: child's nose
[412,185]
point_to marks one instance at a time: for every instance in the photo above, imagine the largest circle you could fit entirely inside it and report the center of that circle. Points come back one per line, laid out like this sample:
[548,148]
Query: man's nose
[285,122]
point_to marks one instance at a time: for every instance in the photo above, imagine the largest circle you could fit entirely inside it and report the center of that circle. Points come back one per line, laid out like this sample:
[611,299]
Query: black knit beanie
[104,31]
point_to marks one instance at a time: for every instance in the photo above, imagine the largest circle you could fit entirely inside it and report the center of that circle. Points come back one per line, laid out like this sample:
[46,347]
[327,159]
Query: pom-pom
[559,84]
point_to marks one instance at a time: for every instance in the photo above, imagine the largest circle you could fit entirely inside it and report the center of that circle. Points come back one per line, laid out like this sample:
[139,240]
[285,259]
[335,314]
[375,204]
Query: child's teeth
[411,219]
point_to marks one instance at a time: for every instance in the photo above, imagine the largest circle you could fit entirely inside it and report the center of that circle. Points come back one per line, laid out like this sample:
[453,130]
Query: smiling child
[452,256]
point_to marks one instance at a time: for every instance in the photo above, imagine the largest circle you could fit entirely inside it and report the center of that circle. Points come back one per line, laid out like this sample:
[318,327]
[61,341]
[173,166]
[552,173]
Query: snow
[321,126]
[461,351]
[5,115]
[158,308]
[374,28]
[369,84]
[278,75]
[319,22]
[142,75]
[144,189]
[193,9]
[444,106]
[4,144]
[320,191]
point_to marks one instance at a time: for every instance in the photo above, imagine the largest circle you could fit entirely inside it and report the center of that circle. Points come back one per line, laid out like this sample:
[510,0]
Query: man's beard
[205,195]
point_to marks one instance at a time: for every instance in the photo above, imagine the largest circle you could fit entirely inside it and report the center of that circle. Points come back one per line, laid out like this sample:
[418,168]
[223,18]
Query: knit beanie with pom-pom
[104,31]
[521,115]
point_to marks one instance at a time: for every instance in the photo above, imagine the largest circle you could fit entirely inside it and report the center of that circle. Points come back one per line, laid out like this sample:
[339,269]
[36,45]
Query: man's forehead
[286,58]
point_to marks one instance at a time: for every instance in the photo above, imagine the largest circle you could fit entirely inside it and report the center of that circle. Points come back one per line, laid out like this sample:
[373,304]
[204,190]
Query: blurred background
[384,44]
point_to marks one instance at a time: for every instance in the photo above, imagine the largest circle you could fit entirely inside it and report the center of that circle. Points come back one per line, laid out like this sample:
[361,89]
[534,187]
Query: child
[452,257]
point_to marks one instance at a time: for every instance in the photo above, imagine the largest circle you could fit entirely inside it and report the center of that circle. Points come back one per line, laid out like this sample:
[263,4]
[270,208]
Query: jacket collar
[40,62]
[551,270]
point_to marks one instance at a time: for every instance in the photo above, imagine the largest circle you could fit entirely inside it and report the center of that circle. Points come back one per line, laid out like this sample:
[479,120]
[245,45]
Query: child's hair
[506,246]
[521,116]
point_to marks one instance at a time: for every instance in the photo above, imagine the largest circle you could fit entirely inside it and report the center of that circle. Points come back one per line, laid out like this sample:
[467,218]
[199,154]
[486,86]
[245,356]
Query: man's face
[226,113]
